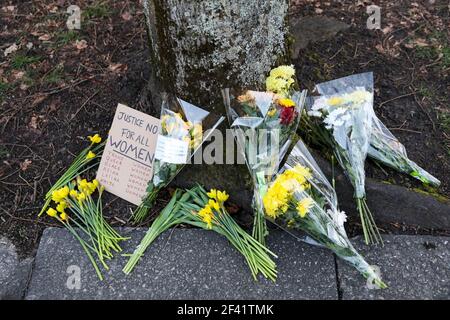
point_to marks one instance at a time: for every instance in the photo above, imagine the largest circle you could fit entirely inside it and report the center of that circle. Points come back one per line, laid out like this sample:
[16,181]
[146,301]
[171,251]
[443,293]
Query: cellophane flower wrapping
[181,134]
[346,109]
[301,201]
[263,124]
[387,149]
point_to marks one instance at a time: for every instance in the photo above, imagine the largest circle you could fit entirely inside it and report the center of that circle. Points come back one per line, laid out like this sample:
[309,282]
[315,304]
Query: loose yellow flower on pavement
[64,216]
[95,139]
[286,103]
[52,212]
[90,155]
[303,206]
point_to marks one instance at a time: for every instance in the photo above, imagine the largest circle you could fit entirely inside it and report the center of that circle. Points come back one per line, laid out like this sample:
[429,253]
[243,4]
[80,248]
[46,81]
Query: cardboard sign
[126,166]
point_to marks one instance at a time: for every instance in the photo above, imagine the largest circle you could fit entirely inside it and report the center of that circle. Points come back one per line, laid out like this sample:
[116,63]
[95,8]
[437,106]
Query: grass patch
[55,76]
[445,121]
[98,10]
[22,61]
[65,37]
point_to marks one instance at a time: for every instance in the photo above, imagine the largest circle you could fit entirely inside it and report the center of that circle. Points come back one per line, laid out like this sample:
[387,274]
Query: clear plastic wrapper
[181,134]
[345,110]
[385,148]
[263,125]
[302,201]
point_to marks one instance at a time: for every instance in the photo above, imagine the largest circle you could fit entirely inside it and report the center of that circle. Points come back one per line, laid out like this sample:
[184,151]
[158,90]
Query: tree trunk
[201,46]
[198,47]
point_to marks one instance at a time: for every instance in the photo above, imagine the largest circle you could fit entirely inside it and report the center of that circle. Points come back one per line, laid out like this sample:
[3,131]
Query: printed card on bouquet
[126,166]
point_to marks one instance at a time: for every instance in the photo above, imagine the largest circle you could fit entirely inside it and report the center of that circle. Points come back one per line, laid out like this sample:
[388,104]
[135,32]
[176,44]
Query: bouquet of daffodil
[86,160]
[206,210]
[180,136]
[345,113]
[79,213]
[385,148]
[300,199]
[263,124]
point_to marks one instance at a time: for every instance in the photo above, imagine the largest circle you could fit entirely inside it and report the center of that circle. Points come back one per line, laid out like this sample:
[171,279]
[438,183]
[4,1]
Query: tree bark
[199,47]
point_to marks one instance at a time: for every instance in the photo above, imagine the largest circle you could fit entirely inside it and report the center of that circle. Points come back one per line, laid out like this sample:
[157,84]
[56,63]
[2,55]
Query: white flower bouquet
[345,112]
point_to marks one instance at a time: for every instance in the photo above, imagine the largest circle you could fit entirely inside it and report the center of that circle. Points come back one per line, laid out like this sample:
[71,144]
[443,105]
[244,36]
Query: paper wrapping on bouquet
[312,214]
[346,107]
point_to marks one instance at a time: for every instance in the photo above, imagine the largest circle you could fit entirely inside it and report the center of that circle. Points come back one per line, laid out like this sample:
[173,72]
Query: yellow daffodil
[207,216]
[61,206]
[95,139]
[90,155]
[60,194]
[286,103]
[74,194]
[212,194]
[304,206]
[81,197]
[222,196]
[214,205]
[52,212]
[64,216]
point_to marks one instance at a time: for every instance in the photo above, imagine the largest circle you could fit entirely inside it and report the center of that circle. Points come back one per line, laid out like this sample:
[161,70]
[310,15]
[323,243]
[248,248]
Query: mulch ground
[60,86]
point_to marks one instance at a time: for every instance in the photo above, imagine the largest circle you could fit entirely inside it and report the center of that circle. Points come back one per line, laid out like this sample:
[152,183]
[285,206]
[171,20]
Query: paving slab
[14,274]
[414,267]
[181,264]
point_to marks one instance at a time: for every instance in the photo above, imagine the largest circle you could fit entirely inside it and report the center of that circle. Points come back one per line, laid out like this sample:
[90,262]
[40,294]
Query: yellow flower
[95,139]
[90,155]
[214,205]
[276,85]
[222,196]
[284,72]
[52,213]
[197,135]
[60,194]
[302,171]
[212,194]
[303,206]
[95,183]
[74,194]
[286,103]
[61,206]
[335,101]
[64,216]
[207,216]
[81,197]
[272,112]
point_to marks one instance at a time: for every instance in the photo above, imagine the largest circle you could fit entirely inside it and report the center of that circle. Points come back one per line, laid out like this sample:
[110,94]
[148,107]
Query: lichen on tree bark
[199,47]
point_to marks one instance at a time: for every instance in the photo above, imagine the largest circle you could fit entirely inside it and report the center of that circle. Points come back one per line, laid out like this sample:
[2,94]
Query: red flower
[287,115]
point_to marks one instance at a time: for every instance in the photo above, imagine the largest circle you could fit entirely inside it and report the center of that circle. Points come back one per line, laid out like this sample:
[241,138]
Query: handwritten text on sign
[127,162]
